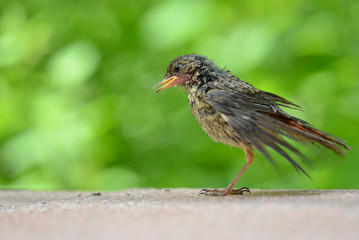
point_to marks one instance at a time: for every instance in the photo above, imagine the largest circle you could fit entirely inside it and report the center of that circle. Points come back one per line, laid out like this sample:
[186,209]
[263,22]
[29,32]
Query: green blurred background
[78,110]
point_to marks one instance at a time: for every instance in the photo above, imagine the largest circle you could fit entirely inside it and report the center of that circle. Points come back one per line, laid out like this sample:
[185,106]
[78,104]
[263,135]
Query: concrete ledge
[179,214]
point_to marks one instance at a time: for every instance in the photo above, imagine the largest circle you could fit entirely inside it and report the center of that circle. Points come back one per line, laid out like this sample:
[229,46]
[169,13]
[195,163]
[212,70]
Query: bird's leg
[229,190]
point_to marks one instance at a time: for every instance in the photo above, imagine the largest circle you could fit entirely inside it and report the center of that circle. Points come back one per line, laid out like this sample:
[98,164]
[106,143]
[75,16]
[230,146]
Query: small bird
[234,112]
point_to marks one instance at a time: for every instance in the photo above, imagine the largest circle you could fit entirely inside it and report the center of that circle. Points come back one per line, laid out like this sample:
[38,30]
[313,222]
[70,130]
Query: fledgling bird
[234,112]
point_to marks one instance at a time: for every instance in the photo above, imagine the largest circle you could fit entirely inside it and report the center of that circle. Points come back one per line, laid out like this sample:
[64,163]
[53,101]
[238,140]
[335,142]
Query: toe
[240,191]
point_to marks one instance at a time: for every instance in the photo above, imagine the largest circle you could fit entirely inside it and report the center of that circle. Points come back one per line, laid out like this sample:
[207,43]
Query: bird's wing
[250,117]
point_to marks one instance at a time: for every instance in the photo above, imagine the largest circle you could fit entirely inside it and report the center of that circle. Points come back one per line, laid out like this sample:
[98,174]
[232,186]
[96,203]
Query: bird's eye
[178,68]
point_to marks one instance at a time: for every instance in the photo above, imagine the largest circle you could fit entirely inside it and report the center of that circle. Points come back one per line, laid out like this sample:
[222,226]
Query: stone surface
[179,214]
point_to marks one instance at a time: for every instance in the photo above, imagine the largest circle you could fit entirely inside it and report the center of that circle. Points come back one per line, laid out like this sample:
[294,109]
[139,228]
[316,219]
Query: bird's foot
[224,192]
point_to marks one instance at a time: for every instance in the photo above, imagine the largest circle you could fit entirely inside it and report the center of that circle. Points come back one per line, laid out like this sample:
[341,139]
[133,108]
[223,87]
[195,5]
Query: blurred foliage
[78,112]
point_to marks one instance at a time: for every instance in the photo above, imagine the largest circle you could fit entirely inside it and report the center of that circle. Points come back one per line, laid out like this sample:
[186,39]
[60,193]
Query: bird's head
[181,70]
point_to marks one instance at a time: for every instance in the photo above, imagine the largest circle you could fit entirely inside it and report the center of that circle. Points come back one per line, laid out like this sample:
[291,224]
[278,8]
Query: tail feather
[304,132]
[321,137]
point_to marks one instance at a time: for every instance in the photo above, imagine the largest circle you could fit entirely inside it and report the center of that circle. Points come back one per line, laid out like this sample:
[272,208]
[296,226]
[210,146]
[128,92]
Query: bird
[234,112]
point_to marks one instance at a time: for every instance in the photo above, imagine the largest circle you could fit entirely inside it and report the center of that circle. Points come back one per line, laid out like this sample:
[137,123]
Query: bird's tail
[304,132]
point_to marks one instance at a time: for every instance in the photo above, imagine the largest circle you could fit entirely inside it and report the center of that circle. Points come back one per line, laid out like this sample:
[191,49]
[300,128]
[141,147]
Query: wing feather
[253,126]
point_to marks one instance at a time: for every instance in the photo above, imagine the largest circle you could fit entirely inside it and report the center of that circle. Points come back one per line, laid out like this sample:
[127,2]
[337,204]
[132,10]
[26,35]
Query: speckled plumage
[234,112]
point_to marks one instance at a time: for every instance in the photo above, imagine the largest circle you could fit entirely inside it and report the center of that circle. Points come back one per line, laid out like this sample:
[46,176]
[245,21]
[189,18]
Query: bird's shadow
[286,192]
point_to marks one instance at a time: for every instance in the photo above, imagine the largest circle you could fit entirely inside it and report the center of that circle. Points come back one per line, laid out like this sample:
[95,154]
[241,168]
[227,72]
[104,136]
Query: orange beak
[167,82]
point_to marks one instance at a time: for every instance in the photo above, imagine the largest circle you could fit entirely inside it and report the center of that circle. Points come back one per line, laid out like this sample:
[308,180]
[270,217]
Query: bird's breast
[213,122]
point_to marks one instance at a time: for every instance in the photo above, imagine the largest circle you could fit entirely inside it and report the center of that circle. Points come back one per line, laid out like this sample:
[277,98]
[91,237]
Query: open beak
[167,82]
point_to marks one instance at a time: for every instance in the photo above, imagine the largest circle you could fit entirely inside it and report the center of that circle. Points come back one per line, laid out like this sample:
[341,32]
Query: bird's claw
[223,192]
[210,192]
